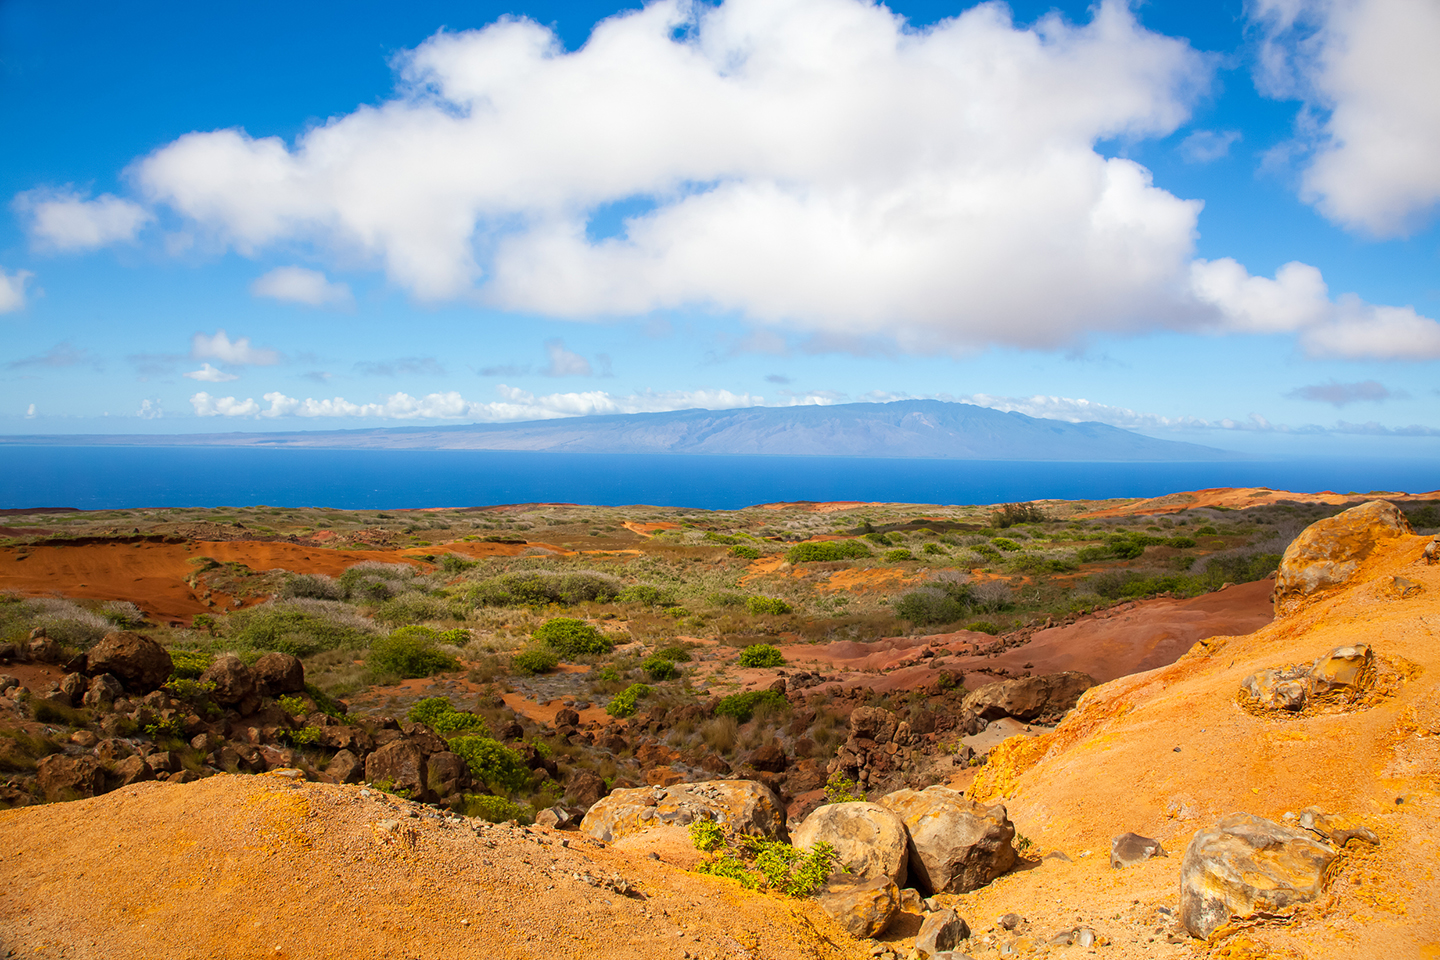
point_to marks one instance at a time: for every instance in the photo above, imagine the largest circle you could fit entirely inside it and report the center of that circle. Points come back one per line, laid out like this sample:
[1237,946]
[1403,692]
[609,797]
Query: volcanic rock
[1129,849]
[140,663]
[279,673]
[739,806]
[956,845]
[869,840]
[864,908]
[1028,698]
[69,778]
[941,932]
[234,682]
[1329,551]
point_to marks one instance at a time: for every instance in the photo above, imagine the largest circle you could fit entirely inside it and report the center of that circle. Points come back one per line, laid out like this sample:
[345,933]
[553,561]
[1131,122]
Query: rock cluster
[1338,678]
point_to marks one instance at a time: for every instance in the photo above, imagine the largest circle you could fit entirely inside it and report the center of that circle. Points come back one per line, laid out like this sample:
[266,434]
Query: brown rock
[69,778]
[234,682]
[940,933]
[770,758]
[1129,849]
[565,717]
[1027,698]
[1343,674]
[447,774]
[869,840]
[400,765]
[103,691]
[345,767]
[132,769]
[112,751]
[956,845]
[279,673]
[584,789]
[73,686]
[863,908]
[140,663]
[1329,551]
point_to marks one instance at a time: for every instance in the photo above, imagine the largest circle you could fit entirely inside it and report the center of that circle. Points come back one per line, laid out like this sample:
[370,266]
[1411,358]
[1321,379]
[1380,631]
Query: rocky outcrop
[138,662]
[1245,867]
[956,845]
[863,908]
[1028,698]
[869,840]
[400,766]
[739,806]
[1338,678]
[1328,552]
[879,746]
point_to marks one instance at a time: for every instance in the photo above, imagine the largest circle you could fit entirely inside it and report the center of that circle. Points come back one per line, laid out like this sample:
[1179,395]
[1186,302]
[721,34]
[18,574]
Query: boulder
[1129,849]
[940,933]
[1278,688]
[565,717]
[1328,552]
[234,682]
[1028,698]
[869,839]
[345,767]
[400,765]
[140,663]
[132,769]
[73,686]
[584,789]
[863,908]
[447,773]
[554,818]
[1343,674]
[103,691]
[112,750]
[279,673]
[770,758]
[874,724]
[63,777]
[956,845]
[740,806]
[1245,867]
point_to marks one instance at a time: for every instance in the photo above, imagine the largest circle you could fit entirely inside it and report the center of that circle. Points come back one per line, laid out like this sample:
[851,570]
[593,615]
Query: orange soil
[1241,497]
[152,575]
[648,529]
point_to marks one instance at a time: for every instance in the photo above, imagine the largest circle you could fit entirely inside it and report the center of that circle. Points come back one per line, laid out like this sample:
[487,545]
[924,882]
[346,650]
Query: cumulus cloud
[299,285]
[12,289]
[210,374]
[65,220]
[150,410]
[219,346]
[1367,72]
[1205,146]
[565,363]
[515,405]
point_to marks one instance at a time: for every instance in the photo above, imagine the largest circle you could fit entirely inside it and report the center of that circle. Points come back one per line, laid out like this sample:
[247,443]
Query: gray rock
[1129,849]
[940,933]
[870,840]
[1246,866]
[956,845]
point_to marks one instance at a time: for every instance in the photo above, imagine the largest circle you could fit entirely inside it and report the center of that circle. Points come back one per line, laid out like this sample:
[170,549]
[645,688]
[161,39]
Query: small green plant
[571,637]
[623,703]
[439,715]
[647,594]
[410,652]
[304,737]
[727,866]
[761,655]
[841,789]
[184,688]
[495,809]
[607,675]
[675,654]
[898,556]
[206,622]
[745,552]
[772,606]
[536,659]
[1013,513]
[165,729]
[706,835]
[387,785]
[1023,844]
[188,664]
[293,705]
[827,551]
[491,762]
[754,861]
[742,706]
[659,668]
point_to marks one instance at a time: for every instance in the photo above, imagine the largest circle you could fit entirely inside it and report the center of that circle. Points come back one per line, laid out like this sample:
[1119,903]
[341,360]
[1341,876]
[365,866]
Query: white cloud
[515,405]
[1368,73]
[12,289]
[1205,146]
[30,412]
[219,346]
[1298,301]
[298,285]
[564,363]
[65,220]
[1074,410]
[150,410]
[210,374]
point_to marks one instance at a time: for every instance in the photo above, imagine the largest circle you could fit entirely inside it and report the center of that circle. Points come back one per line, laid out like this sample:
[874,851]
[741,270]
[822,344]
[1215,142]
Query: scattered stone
[740,806]
[864,908]
[869,840]
[1337,678]
[941,932]
[1278,688]
[1028,698]
[1328,552]
[558,818]
[1084,937]
[1245,867]
[103,691]
[1129,849]
[139,663]
[1009,921]
[956,845]
[63,777]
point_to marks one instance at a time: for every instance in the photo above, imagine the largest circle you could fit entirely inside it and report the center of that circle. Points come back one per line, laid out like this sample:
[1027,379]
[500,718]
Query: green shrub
[536,659]
[1034,564]
[742,706]
[761,655]
[623,703]
[932,549]
[898,556]
[1005,543]
[296,630]
[1013,513]
[706,835]
[827,551]
[675,654]
[841,789]
[439,715]
[772,863]
[934,604]
[293,705]
[983,626]
[1180,543]
[495,809]
[570,637]
[410,652]
[773,606]
[492,763]
[304,737]
[542,587]
[188,664]
[1207,530]
[745,553]
[659,668]
[725,598]
[647,594]
[413,607]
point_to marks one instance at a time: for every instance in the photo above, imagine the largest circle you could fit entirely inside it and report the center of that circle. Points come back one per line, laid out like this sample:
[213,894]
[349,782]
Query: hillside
[927,429]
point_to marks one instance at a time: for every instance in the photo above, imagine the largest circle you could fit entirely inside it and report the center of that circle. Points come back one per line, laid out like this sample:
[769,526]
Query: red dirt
[1241,497]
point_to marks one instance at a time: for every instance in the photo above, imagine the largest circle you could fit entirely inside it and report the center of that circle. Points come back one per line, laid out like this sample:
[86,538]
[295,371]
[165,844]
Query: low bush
[933,549]
[772,606]
[495,809]
[761,655]
[300,628]
[841,789]
[440,715]
[413,607]
[492,763]
[540,588]
[742,706]
[410,653]
[570,637]
[675,654]
[898,556]
[188,664]
[623,704]
[1013,513]
[725,598]
[312,586]
[647,594]
[659,668]
[745,552]
[827,551]
[773,864]
[536,659]
[931,605]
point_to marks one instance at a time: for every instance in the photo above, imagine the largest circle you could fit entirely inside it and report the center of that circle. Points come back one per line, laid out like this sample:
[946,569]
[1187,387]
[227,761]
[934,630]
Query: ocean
[95,478]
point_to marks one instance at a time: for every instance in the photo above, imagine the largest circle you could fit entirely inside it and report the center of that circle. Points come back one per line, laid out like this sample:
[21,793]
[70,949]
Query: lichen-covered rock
[279,673]
[1246,866]
[234,682]
[956,845]
[941,932]
[140,663]
[869,840]
[1129,849]
[1028,698]
[63,777]
[740,806]
[863,908]
[1329,551]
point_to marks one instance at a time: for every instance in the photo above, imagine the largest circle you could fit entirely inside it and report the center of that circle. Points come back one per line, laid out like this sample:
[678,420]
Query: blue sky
[1212,222]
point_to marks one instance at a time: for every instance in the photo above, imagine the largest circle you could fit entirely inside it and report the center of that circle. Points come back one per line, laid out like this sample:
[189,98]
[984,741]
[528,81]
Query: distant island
[925,429]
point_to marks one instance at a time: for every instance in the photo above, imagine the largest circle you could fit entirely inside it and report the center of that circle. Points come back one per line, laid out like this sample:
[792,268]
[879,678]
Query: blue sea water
[122,477]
